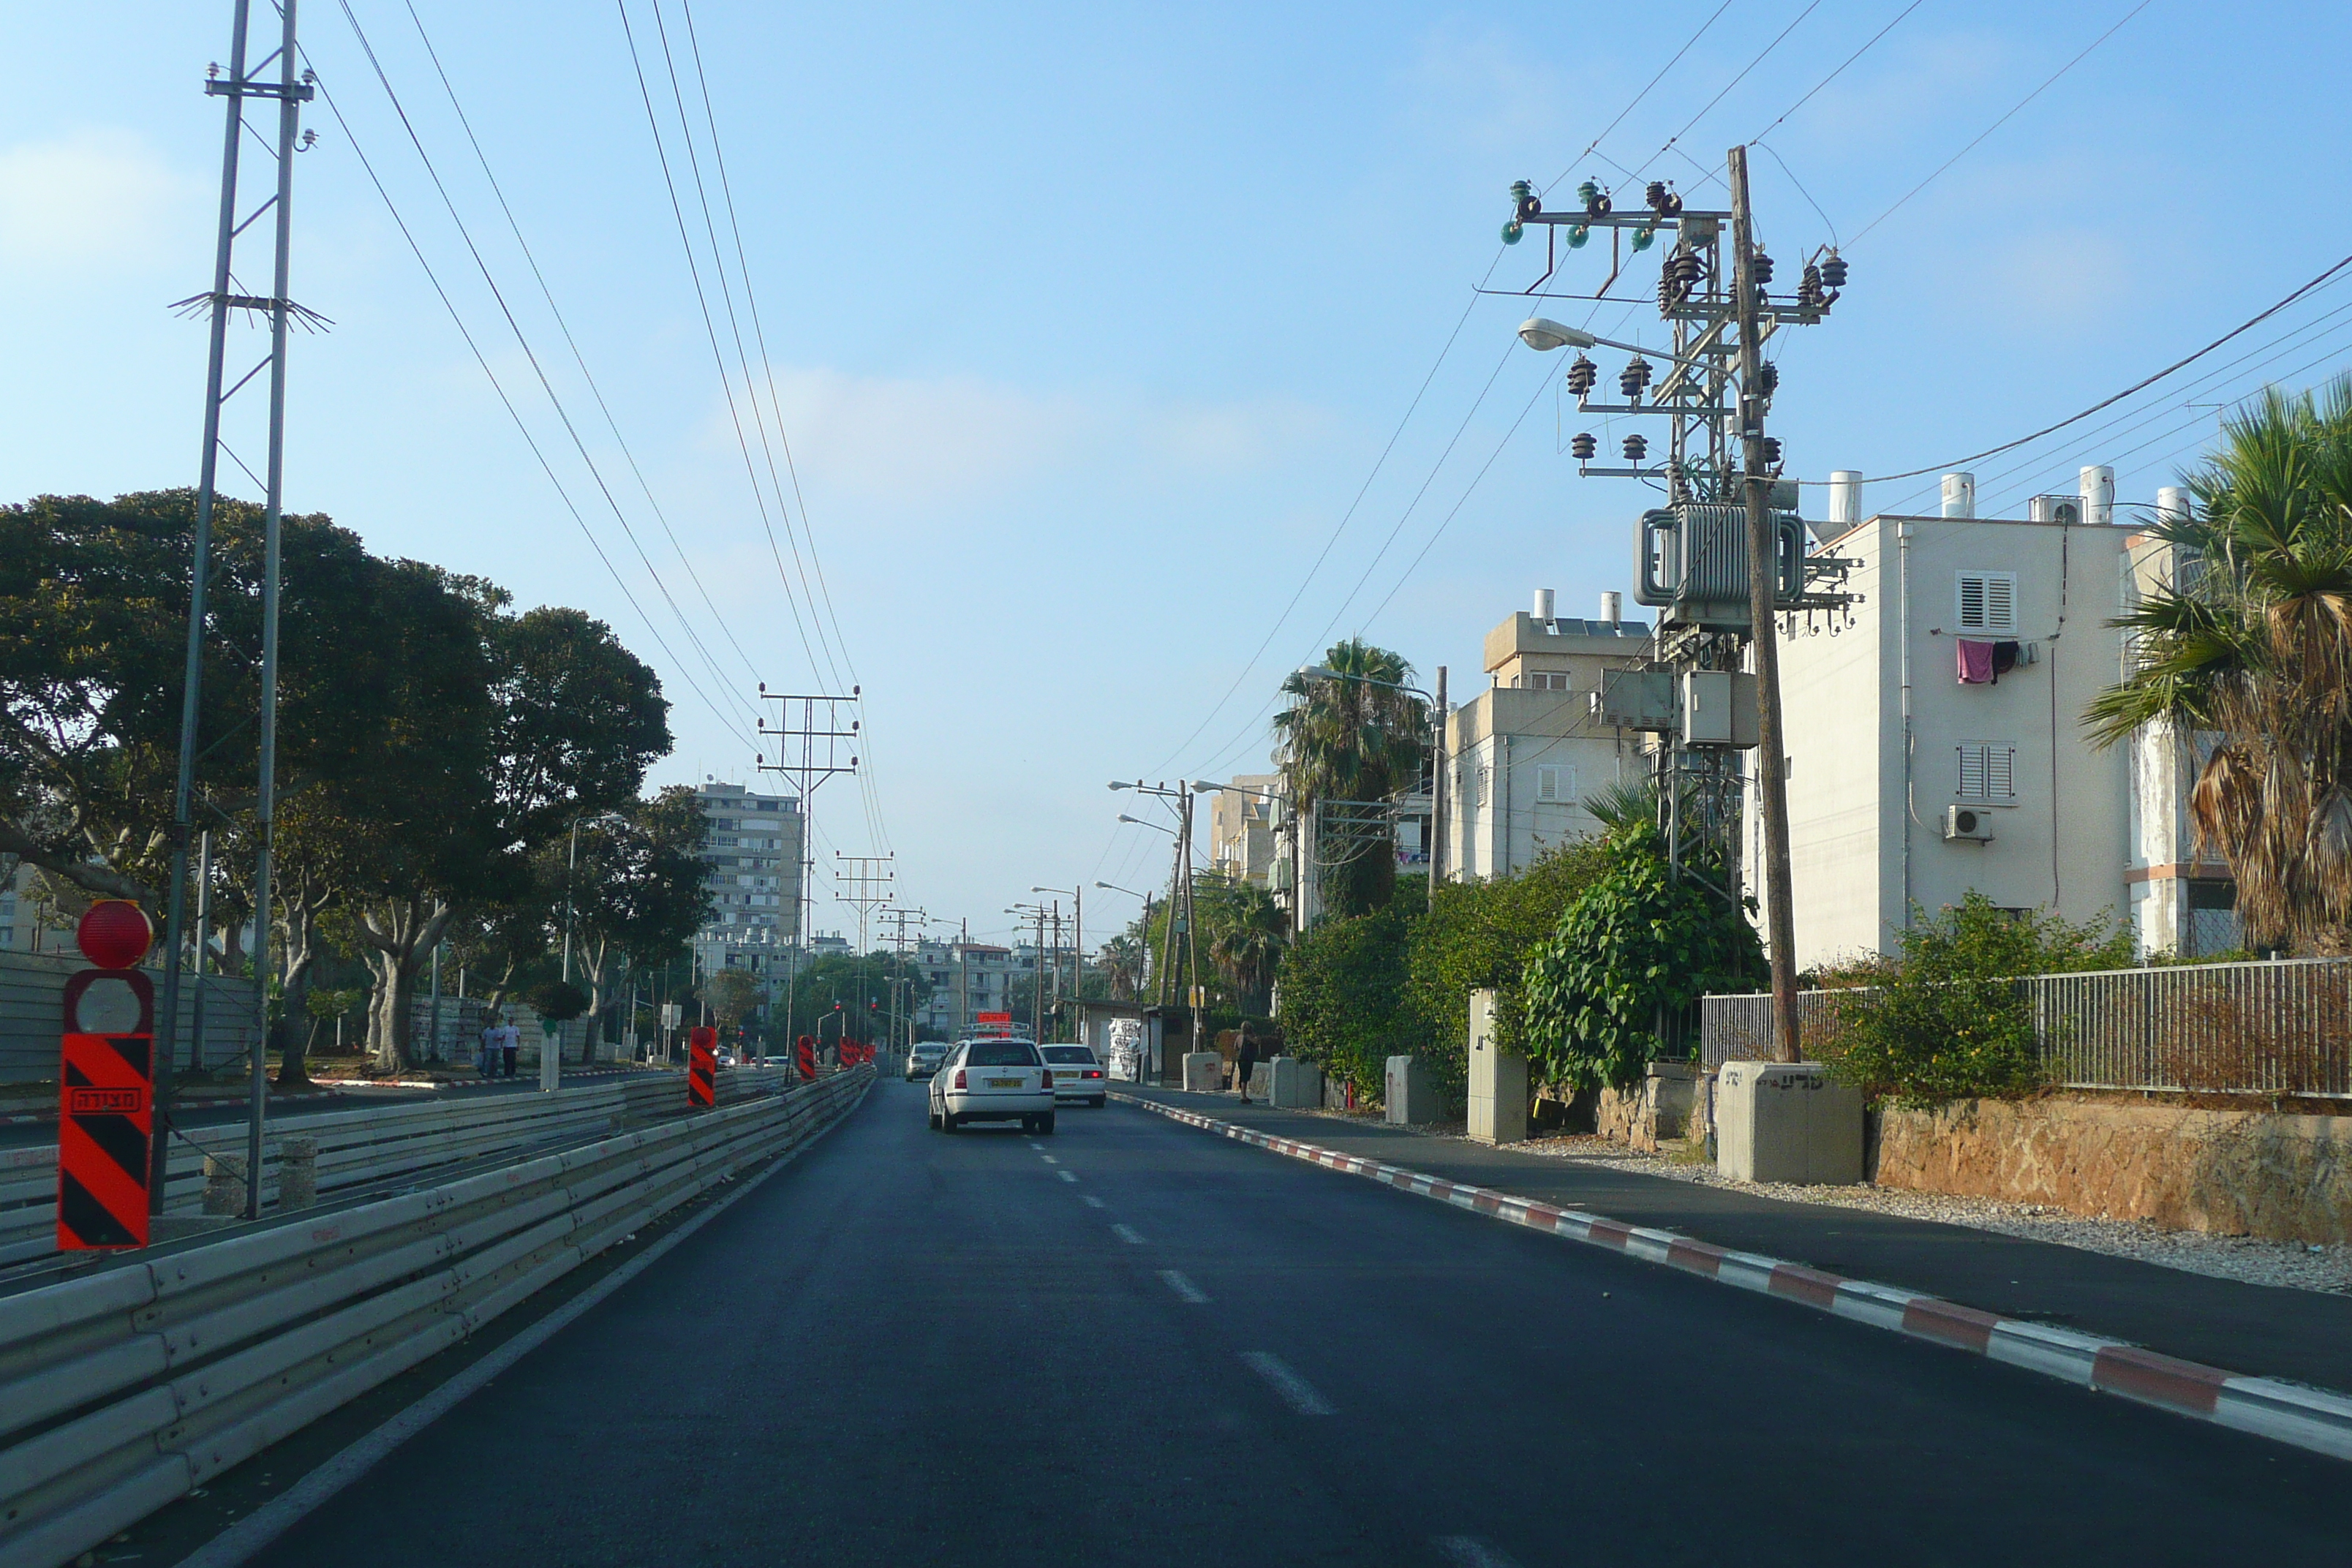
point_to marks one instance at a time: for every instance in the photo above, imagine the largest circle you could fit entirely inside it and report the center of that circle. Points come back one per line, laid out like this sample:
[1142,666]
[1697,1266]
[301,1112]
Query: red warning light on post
[114,934]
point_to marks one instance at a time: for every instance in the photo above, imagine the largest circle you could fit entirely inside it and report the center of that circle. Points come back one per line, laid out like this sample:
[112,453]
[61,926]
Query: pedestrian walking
[510,1047]
[488,1056]
[1246,1062]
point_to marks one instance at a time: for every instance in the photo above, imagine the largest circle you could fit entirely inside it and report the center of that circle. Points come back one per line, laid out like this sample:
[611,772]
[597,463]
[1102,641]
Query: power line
[2141,385]
[563,325]
[1636,101]
[456,319]
[523,342]
[2004,120]
[1817,86]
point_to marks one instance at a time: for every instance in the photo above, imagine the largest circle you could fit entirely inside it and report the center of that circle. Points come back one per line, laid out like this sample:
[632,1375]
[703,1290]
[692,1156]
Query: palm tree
[1353,738]
[2251,646]
[1251,934]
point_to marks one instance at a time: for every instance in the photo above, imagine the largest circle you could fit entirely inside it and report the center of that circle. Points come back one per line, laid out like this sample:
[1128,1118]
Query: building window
[1555,785]
[1987,601]
[1987,770]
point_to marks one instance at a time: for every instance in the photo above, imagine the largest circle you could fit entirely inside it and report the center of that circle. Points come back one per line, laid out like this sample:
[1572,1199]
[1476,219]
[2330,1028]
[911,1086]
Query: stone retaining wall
[2235,1173]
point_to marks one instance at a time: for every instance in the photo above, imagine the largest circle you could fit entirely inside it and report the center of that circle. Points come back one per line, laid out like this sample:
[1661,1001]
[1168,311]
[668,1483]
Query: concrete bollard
[1786,1121]
[1499,1080]
[1293,1084]
[1204,1072]
[225,1183]
[298,1173]
[1409,1095]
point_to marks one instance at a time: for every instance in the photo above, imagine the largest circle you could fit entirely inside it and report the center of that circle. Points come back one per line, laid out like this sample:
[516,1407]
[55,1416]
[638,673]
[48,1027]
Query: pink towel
[1976,662]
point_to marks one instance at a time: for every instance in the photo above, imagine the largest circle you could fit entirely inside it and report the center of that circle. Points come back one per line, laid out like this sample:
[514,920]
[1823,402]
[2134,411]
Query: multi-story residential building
[754,848]
[1524,755]
[967,978]
[1936,741]
[1242,829]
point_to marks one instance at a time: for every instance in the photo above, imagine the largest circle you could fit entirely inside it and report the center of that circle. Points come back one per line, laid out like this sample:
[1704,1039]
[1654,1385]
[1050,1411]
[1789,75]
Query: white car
[992,1080]
[1078,1076]
[925,1059]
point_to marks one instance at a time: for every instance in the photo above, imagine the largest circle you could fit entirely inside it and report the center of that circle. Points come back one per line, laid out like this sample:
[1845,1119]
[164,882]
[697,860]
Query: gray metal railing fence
[2279,1027]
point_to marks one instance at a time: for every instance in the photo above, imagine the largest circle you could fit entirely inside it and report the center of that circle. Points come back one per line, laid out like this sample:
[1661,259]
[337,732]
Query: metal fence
[2276,1028]
[32,1014]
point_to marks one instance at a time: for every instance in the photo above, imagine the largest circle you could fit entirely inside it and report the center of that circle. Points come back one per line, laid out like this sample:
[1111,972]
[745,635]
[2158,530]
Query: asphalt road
[1132,1342]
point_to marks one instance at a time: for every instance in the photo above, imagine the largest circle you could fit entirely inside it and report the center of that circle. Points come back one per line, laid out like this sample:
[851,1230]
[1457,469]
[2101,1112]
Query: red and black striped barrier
[702,1068]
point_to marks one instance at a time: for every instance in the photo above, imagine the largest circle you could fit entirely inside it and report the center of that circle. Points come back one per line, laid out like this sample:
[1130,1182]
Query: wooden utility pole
[1771,751]
[1437,793]
[1198,995]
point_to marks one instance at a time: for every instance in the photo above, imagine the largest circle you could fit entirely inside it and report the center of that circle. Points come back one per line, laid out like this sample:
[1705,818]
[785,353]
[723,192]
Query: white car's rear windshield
[1003,1054]
[1079,1054]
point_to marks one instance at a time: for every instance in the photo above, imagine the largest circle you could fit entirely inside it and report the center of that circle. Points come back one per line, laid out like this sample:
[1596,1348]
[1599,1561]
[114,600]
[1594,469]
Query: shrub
[1342,1001]
[1947,1019]
[1638,946]
[559,1000]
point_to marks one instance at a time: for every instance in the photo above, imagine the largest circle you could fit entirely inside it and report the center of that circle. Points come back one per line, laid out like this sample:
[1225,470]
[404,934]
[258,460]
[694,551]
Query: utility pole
[868,890]
[1199,994]
[291,89]
[809,751]
[1437,793]
[1771,752]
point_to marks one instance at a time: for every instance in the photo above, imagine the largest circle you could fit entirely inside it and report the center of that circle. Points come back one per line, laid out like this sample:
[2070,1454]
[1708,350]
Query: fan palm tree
[1252,932]
[1353,738]
[2251,645]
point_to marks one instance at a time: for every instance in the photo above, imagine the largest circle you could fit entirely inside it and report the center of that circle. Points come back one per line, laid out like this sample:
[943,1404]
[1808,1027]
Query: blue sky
[1089,324]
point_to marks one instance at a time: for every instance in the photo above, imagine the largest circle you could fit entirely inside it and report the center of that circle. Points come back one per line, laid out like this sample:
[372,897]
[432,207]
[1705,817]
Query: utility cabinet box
[1719,707]
[1205,1071]
[1411,1094]
[1295,1085]
[1786,1121]
[1499,1080]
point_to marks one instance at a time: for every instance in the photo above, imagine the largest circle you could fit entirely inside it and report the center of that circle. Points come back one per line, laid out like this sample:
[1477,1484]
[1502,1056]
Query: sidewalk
[2264,1330]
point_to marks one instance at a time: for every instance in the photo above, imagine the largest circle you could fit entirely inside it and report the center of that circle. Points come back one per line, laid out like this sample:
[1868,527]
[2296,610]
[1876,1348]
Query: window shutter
[1987,601]
[1972,602]
[2000,770]
[1972,770]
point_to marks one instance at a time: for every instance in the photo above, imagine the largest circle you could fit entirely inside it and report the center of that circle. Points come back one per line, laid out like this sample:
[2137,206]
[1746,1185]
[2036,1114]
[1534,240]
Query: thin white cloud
[96,200]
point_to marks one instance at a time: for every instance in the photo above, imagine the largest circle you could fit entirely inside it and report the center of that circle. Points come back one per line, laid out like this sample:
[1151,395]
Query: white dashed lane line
[1067,1175]
[1049,1159]
[1126,1233]
[1092,1202]
[1293,1390]
[1186,1291]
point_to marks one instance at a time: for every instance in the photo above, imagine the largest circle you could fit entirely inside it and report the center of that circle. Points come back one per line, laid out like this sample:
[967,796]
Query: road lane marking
[1294,1390]
[1186,1291]
[1469,1552]
[1049,1159]
[1067,1175]
[1126,1233]
[1092,1202]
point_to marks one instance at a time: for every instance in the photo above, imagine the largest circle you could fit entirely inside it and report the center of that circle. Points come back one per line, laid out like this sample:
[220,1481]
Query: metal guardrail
[363,1147]
[2275,1028]
[123,1390]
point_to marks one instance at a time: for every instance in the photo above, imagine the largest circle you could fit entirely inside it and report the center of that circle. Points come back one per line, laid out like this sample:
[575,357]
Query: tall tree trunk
[398,936]
[595,951]
[301,953]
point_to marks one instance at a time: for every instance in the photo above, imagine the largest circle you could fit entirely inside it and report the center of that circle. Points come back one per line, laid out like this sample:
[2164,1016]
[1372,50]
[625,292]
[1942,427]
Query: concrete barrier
[1295,1085]
[1409,1094]
[1205,1071]
[1499,1080]
[1786,1121]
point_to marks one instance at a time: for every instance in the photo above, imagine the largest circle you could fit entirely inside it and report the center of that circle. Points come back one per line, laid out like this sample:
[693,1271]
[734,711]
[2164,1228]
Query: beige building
[1921,768]
[1525,754]
[1242,823]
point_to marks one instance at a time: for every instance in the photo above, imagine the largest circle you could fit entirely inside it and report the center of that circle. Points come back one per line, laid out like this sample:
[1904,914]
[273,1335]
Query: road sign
[106,1085]
[807,1052]
[702,1067]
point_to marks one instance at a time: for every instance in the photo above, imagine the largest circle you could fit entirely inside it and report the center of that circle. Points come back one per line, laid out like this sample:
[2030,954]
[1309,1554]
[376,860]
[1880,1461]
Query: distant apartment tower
[753,851]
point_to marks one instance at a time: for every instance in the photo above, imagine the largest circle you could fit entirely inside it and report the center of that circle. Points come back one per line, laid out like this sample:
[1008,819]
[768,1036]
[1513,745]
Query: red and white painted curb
[2307,1417]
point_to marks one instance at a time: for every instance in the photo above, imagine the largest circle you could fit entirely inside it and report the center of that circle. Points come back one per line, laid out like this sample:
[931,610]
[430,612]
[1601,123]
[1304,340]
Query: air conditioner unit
[1972,823]
[2054,509]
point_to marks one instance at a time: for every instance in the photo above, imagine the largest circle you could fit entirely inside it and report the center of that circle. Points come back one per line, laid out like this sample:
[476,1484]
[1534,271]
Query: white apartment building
[967,978]
[1936,743]
[1524,754]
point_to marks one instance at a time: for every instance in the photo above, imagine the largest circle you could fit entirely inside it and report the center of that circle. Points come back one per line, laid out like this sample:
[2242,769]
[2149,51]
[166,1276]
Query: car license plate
[1004,1083]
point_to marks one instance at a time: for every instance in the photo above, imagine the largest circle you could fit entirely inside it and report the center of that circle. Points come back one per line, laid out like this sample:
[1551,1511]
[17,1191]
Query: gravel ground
[2244,1257]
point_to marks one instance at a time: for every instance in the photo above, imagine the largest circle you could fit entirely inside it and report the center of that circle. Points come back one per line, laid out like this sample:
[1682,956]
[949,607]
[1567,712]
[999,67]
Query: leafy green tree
[1354,738]
[636,893]
[861,986]
[1343,996]
[2251,645]
[1244,933]
[1636,948]
[1947,1019]
[1479,936]
[731,994]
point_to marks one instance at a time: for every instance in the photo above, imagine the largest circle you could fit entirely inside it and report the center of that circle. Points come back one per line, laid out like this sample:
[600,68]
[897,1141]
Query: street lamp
[1544,335]
[1139,822]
